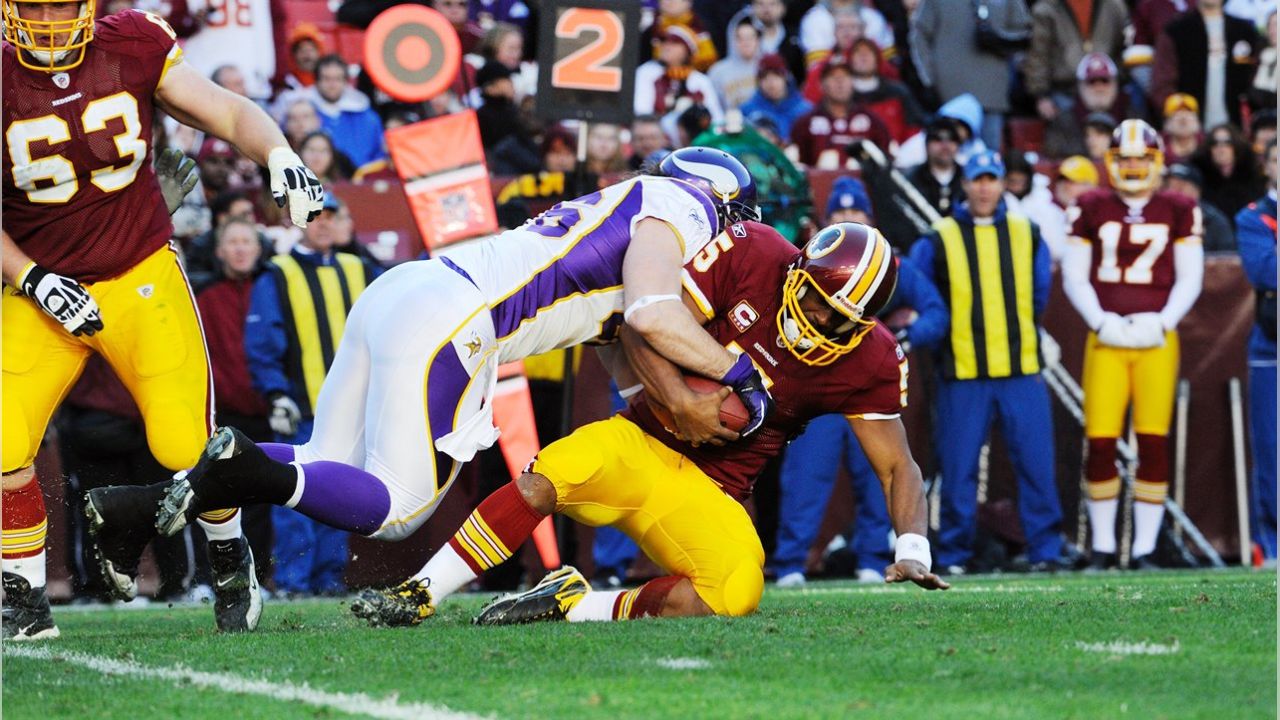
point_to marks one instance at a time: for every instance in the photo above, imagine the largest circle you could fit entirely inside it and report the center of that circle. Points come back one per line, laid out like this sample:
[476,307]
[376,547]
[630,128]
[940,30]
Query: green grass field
[1168,645]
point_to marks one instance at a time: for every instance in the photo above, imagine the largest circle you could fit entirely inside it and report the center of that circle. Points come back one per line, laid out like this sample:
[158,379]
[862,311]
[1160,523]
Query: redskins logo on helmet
[852,268]
[1135,139]
[48,45]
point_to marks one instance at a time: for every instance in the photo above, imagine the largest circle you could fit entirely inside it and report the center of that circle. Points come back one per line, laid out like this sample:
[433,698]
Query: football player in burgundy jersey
[1132,269]
[88,266]
[804,319]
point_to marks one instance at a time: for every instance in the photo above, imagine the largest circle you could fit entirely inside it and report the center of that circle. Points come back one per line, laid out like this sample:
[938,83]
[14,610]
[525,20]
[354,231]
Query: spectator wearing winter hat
[1186,179]
[678,14]
[822,137]
[498,93]
[1097,134]
[1097,91]
[669,83]
[889,100]
[776,96]
[849,202]
[1182,130]
[938,177]
[734,77]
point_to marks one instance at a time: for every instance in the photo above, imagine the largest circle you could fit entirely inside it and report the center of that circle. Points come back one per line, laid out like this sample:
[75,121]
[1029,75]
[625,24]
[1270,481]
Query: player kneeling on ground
[819,352]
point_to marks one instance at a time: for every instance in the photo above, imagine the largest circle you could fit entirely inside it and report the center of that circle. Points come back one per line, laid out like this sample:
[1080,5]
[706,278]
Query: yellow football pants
[151,337]
[1115,376]
[613,473]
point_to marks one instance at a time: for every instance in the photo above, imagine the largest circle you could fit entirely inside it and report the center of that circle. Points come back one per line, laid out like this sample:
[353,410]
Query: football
[733,414]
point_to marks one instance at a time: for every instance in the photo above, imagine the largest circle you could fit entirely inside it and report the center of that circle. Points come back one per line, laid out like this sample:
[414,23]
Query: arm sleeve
[1188,264]
[690,214]
[932,320]
[1257,249]
[1043,272]
[1077,260]
[885,394]
[921,36]
[264,338]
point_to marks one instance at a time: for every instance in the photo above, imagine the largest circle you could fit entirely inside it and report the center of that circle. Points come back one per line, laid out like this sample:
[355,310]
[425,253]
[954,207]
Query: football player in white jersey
[408,398]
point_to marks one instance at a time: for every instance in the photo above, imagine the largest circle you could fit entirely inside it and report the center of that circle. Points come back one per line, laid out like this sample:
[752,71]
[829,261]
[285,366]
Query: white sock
[595,606]
[30,568]
[226,530]
[445,573]
[1102,520]
[1146,526]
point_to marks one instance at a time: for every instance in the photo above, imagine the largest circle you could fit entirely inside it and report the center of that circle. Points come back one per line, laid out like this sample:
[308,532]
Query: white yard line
[353,703]
[1123,647]
[907,587]
[684,663]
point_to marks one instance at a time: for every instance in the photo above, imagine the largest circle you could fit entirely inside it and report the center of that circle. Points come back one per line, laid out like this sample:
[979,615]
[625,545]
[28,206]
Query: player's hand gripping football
[915,571]
[293,181]
[698,422]
[63,299]
[745,380]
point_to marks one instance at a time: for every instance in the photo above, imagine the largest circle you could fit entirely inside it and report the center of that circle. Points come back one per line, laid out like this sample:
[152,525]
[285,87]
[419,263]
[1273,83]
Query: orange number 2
[583,69]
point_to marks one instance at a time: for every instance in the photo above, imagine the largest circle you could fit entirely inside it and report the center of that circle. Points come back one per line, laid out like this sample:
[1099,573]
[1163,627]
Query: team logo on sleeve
[743,316]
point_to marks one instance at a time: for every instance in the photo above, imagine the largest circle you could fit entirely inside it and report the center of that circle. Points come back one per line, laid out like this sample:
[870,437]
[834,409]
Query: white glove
[1146,330]
[293,181]
[285,415]
[1114,331]
[61,298]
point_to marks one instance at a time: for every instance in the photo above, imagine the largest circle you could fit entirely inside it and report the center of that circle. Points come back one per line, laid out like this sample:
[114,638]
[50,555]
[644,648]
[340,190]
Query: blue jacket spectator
[776,97]
[346,113]
[1256,234]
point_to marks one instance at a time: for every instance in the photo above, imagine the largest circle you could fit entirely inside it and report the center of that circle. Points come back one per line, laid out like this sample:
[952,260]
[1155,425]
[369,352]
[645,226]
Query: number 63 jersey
[1132,267]
[80,195]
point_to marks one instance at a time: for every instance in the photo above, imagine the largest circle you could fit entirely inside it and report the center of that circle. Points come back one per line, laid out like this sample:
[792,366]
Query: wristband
[913,547]
[22,275]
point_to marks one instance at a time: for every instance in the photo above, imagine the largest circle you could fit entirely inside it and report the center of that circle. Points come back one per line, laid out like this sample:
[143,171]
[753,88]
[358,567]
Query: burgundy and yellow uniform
[1132,271]
[1132,267]
[81,198]
[680,503]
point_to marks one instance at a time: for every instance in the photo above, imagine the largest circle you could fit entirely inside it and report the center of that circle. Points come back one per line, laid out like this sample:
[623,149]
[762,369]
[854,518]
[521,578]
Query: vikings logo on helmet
[852,268]
[48,45]
[719,175]
[1135,139]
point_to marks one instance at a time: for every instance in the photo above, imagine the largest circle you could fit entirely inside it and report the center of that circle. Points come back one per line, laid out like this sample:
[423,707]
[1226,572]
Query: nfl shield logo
[62,80]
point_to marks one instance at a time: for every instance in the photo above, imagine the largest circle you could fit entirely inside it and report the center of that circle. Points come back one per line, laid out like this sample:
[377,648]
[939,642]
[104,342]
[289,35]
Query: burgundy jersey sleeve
[879,371]
[1188,224]
[1081,217]
[80,195]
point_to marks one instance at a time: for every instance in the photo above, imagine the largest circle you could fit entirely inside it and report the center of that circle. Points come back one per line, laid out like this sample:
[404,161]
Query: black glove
[746,381]
[63,299]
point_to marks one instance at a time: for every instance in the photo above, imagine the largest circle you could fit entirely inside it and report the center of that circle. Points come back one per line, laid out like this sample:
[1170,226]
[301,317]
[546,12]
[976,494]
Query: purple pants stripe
[447,380]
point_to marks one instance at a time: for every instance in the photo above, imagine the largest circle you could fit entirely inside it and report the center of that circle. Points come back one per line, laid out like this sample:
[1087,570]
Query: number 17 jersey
[80,196]
[1132,267]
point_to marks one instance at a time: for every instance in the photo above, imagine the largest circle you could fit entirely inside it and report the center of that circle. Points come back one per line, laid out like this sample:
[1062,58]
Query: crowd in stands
[932,83]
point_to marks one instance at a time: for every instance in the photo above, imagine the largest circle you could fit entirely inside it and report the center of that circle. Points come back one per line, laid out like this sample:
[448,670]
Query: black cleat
[1146,562]
[228,453]
[237,602]
[1101,562]
[26,614]
[120,525]
[404,605]
[549,600]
